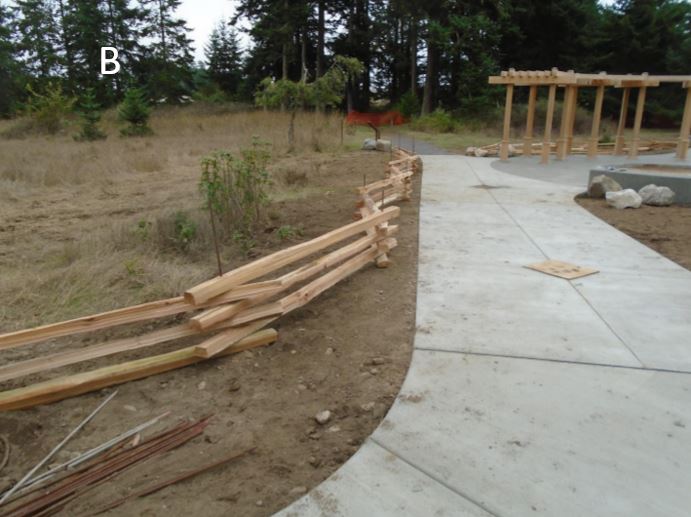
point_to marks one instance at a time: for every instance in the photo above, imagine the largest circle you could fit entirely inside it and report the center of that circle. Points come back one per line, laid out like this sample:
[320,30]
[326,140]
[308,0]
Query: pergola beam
[571,81]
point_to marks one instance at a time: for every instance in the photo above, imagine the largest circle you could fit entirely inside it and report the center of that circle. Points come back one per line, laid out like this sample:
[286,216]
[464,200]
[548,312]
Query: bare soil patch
[664,229]
[347,351]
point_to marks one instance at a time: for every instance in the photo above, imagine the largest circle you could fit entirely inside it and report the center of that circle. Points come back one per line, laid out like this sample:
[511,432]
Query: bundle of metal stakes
[56,495]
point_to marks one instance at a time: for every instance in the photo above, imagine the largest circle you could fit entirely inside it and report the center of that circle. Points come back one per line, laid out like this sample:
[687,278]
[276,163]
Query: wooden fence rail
[234,306]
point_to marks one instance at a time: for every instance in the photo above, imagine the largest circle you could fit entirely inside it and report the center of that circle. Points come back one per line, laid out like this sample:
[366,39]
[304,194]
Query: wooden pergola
[571,82]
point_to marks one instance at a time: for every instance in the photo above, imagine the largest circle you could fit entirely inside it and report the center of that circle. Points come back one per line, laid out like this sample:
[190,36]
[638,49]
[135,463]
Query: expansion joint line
[434,478]
[537,246]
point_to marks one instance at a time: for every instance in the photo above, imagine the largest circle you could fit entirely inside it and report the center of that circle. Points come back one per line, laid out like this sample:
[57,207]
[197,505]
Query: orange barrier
[377,119]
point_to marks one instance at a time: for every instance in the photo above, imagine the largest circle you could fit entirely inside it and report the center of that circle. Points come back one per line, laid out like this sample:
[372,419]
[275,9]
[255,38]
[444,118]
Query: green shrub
[289,232]
[90,114]
[439,121]
[235,187]
[48,110]
[408,105]
[135,110]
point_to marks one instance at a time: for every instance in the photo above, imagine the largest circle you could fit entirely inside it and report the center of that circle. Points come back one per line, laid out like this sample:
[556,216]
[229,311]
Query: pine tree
[90,113]
[10,69]
[40,41]
[224,58]
[135,110]
[166,67]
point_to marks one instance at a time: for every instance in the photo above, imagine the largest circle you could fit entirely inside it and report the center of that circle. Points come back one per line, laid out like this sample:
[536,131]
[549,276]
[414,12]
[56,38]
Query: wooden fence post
[683,145]
[561,141]
[619,140]
[638,120]
[504,152]
[572,120]
[528,137]
[597,116]
[547,140]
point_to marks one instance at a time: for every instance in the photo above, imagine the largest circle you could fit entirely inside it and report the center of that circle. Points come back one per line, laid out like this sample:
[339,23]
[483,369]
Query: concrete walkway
[529,394]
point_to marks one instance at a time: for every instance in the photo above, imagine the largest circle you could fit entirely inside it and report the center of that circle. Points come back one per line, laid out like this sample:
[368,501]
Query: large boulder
[627,198]
[656,196]
[370,144]
[600,185]
[383,145]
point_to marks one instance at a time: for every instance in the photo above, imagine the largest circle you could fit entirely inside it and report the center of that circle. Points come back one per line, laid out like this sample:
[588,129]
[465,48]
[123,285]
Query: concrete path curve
[528,394]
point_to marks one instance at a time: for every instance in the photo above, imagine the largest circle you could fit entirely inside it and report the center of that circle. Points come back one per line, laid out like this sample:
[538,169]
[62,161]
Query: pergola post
[572,120]
[562,140]
[530,122]
[504,151]
[547,140]
[619,140]
[597,117]
[638,120]
[683,145]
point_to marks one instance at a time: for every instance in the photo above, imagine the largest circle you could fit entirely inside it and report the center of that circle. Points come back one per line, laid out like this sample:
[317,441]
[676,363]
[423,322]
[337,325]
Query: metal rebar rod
[59,446]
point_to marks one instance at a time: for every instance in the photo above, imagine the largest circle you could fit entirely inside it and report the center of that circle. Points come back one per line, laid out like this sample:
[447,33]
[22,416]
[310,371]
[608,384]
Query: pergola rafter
[571,82]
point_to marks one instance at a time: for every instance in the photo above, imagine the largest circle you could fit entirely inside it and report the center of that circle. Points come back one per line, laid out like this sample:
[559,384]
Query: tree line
[416,55]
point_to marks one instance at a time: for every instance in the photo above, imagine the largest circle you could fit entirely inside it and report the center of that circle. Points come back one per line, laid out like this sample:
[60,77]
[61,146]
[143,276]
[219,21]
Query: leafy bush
[439,121]
[48,110]
[135,110]
[235,189]
[408,105]
[289,232]
[90,113]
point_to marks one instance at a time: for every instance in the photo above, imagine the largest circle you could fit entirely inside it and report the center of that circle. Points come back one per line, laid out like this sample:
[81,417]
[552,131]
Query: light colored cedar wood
[528,137]
[623,112]
[563,128]
[103,320]
[67,357]
[134,314]
[683,144]
[384,183]
[546,142]
[216,286]
[597,117]
[506,132]
[562,269]
[637,122]
[572,119]
[310,291]
[208,319]
[213,317]
[257,313]
[69,386]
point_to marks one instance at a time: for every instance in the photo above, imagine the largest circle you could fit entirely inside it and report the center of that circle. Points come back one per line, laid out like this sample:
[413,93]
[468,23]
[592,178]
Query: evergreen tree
[40,42]
[135,110]
[10,69]
[90,113]
[166,67]
[224,58]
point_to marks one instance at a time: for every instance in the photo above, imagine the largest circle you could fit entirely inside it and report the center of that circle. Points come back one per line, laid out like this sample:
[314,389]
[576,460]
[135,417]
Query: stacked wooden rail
[234,306]
[519,148]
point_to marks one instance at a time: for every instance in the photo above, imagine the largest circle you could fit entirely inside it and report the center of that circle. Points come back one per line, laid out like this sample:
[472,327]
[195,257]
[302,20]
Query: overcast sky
[201,16]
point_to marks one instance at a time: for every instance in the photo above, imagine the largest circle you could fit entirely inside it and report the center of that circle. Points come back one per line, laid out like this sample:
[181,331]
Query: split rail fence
[234,306]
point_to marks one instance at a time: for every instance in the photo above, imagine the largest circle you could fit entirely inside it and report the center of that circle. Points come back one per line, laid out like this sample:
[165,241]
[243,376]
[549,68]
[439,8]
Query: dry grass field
[87,227]
[91,226]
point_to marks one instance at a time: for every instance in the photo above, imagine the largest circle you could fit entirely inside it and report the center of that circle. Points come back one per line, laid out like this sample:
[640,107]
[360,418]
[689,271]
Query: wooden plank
[623,112]
[506,133]
[528,137]
[216,286]
[69,386]
[637,122]
[127,315]
[683,143]
[597,117]
[208,319]
[549,118]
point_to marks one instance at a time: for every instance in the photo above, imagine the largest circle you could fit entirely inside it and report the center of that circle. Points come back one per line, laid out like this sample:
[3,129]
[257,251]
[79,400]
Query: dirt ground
[347,351]
[667,229]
